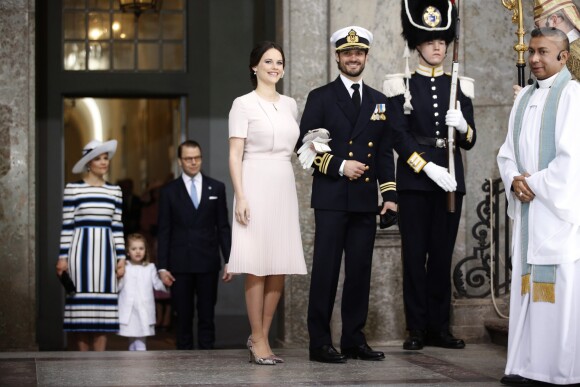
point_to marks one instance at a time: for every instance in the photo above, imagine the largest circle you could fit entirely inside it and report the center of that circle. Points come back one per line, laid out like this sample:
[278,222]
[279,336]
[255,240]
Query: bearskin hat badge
[425,20]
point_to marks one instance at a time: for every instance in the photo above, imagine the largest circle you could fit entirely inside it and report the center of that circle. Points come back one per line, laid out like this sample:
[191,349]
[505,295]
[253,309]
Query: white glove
[315,141]
[440,176]
[306,156]
[454,118]
[314,133]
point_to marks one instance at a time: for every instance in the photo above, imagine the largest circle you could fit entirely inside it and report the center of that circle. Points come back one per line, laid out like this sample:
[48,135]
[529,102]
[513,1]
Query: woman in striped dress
[92,248]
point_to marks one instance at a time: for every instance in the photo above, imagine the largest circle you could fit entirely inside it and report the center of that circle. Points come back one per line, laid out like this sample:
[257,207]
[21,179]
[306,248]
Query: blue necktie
[193,193]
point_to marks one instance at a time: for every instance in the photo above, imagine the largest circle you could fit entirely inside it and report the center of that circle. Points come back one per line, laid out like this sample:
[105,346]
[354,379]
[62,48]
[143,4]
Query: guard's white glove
[454,118]
[440,176]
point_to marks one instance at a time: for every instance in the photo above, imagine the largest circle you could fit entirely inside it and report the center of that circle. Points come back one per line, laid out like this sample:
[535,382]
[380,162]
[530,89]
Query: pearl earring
[254,72]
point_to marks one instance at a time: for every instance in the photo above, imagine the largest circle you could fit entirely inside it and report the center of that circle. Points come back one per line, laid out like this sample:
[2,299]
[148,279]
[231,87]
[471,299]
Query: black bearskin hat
[425,20]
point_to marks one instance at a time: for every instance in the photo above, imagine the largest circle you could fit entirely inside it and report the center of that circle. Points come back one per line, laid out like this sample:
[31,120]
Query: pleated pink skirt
[271,243]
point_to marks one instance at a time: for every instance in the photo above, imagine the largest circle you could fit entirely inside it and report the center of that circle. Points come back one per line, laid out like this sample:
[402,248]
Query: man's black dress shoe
[443,340]
[415,341]
[327,354]
[363,352]
[517,380]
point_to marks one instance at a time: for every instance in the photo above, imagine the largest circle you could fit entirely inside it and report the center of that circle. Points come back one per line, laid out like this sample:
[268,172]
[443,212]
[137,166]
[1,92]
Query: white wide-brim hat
[92,150]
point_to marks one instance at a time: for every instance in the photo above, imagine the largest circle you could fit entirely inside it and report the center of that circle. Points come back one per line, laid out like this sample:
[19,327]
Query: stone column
[17,172]
[307,54]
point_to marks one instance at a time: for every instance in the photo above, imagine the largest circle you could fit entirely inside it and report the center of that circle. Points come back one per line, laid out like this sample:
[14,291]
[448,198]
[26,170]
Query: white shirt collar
[187,180]
[547,83]
[348,83]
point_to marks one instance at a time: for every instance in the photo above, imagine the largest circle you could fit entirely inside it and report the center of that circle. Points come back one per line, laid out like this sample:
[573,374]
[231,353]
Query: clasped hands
[522,190]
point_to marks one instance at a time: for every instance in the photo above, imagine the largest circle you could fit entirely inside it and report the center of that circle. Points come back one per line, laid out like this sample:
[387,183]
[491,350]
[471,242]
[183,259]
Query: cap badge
[352,37]
[431,17]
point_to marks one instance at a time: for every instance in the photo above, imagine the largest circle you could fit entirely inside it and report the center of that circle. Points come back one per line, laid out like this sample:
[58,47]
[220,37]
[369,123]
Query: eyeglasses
[191,159]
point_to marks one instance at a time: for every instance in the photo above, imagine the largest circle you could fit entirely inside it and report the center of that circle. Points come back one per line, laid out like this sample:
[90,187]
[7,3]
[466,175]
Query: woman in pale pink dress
[266,242]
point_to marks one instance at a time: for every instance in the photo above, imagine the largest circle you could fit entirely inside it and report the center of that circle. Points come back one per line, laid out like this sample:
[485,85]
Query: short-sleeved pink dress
[271,243]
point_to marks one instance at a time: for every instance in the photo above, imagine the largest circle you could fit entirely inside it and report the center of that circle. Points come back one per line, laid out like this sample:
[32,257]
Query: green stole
[543,276]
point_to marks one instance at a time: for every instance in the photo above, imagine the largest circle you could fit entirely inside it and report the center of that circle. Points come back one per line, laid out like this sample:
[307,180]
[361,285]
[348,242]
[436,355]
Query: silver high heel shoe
[276,358]
[254,358]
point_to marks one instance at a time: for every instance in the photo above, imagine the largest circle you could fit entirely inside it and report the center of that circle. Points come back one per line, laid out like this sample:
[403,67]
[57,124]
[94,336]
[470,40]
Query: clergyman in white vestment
[539,164]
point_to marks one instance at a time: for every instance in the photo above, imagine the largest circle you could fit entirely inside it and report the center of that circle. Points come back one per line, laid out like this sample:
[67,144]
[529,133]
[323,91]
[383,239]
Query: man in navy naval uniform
[345,197]
[428,230]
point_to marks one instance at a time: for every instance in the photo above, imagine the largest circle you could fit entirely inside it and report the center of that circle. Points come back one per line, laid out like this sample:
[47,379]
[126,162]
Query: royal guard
[432,124]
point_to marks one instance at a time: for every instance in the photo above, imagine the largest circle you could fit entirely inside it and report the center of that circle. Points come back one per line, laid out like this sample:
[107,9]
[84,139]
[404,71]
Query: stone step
[498,330]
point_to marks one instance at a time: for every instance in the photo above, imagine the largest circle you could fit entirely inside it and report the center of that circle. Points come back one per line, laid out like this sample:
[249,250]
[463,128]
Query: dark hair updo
[257,53]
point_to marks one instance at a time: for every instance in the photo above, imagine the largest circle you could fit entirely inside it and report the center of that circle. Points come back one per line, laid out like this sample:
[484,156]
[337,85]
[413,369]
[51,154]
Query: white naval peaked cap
[352,37]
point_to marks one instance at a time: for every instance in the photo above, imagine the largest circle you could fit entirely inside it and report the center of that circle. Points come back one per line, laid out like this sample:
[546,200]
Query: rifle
[453,105]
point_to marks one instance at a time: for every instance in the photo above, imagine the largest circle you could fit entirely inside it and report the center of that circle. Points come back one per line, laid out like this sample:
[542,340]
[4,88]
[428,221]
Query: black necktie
[356,95]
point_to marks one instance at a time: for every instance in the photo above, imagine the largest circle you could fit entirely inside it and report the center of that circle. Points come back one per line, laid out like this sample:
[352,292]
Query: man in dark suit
[345,197]
[428,230]
[193,228]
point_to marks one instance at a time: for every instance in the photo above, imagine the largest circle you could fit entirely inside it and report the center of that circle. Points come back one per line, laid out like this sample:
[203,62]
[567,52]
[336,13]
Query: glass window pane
[74,25]
[173,56]
[78,4]
[123,56]
[74,56]
[99,4]
[172,26]
[99,26]
[149,26]
[99,56]
[154,41]
[123,26]
[148,56]
[172,4]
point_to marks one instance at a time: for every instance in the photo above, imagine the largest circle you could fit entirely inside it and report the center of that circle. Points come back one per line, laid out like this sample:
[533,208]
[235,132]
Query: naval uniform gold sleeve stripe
[416,162]
[322,162]
[318,163]
[326,162]
[469,136]
[389,186]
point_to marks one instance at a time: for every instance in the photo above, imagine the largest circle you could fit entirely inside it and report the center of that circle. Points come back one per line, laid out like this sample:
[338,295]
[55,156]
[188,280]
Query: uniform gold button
[369,155]
[350,142]
[371,144]
[350,154]
[366,167]
[367,180]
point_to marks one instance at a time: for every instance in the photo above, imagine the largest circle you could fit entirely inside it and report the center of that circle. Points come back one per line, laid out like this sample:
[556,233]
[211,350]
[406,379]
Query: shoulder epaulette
[394,84]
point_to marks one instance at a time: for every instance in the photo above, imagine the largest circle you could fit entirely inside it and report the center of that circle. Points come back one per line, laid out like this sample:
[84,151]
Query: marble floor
[476,365]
